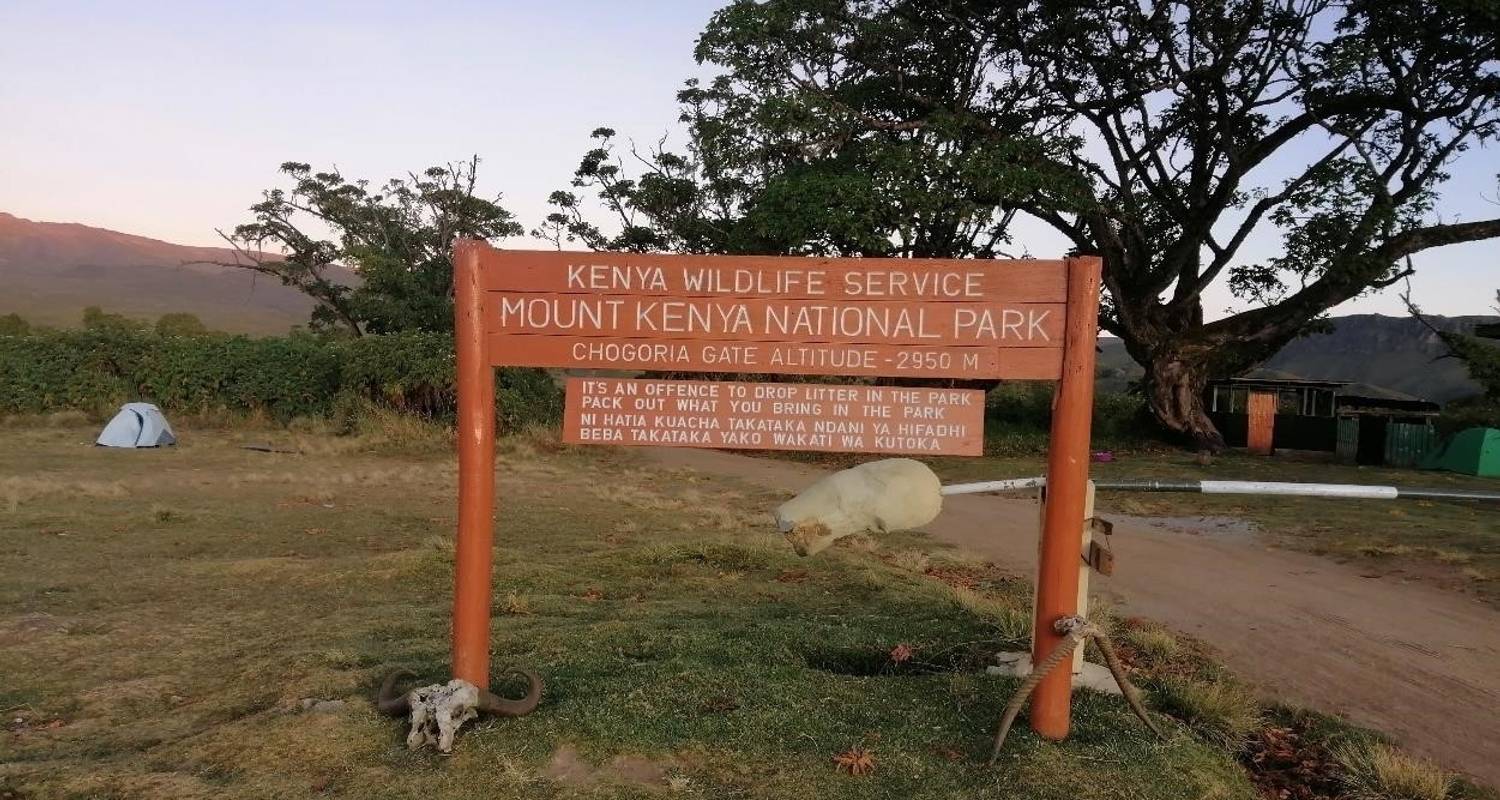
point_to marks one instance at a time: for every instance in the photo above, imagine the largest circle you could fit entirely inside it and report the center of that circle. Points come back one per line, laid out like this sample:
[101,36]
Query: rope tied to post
[1074,630]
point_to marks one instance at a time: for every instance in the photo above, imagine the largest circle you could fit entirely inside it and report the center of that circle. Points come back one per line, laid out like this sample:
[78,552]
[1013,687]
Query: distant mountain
[52,270]
[1392,352]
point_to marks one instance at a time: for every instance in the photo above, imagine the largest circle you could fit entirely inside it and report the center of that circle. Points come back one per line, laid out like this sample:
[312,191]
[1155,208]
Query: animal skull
[438,711]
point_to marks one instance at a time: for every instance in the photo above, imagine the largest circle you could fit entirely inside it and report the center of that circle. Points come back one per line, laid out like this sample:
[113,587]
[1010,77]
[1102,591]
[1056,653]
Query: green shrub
[180,324]
[95,370]
[410,372]
[283,377]
[1476,412]
[53,372]
[14,325]
[527,397]
[1018,419]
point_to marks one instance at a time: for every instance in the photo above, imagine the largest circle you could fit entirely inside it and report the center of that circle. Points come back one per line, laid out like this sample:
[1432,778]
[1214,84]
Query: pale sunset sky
[167,119]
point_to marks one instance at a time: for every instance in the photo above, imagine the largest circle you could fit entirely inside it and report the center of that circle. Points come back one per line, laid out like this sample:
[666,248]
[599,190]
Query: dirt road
[1416,662]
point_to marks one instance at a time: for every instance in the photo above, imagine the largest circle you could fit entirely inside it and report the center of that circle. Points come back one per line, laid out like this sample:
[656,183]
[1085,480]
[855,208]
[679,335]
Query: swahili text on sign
[871,419]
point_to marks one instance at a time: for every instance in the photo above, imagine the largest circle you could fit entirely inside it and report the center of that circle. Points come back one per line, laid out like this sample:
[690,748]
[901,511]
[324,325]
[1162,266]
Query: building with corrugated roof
[1266,410]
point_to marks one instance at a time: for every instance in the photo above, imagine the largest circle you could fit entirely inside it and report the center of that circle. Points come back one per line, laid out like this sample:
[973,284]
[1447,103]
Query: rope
[1075,630]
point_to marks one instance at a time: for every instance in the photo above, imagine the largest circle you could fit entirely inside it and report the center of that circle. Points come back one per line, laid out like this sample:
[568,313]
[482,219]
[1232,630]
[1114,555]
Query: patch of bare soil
[569,768]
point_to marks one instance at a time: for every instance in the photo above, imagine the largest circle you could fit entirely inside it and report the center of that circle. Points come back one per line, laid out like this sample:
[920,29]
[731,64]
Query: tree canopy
[1479,351]
[97,319]
[14,325]
[1162,135]
[374,259]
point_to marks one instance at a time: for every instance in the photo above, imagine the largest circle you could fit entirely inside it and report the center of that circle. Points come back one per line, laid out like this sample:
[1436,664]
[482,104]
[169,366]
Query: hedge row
[298,375]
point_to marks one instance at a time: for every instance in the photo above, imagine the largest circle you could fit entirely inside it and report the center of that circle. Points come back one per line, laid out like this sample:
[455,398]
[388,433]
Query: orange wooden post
[1067,488]
[476,472]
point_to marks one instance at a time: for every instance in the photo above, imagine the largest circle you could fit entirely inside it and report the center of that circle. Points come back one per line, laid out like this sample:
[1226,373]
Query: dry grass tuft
[1012,622]
[1388,550]
[376,429]
[17,490]
[533,440]
[167,515]
[1451,557]
[1376,771]
[911,561]
[66,419]
[517,605]
[1154,643]
[718,517]
[639,497]
[1225,713]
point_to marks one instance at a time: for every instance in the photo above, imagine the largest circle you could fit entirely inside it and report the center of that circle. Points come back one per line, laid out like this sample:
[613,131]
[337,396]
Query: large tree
[395,239]
[1161,135]
[768,166]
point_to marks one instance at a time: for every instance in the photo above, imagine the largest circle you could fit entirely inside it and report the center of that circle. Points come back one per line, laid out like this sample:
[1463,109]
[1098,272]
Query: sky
[168,119]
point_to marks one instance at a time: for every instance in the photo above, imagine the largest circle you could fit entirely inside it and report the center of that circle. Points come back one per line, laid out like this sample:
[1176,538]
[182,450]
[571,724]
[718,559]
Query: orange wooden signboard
[774,416]
[796,316]
[905,318]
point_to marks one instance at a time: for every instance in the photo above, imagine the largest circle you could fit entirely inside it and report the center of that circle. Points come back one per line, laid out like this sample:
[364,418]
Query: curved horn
[387,701]
[491,703]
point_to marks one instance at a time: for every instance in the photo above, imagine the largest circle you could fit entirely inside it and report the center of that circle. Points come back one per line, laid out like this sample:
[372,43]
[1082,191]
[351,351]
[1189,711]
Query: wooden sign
[802,316]
[774,416]
[911,318]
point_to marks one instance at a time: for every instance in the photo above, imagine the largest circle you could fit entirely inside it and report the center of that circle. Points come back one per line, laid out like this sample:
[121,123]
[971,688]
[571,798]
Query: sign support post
[473,552]
[1067,488]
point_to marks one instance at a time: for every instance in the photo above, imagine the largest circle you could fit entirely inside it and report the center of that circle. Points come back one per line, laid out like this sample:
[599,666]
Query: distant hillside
[1393,352]
[52,270]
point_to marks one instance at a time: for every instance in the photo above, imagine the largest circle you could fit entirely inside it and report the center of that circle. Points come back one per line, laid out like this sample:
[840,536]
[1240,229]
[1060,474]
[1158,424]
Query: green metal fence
[1406,443]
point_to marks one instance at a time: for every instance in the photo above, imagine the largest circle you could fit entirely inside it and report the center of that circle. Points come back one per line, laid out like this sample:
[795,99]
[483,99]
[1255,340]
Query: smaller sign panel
[774,416]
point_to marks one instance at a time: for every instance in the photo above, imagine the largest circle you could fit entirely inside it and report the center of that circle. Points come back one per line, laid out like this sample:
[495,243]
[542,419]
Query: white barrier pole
[1346,491]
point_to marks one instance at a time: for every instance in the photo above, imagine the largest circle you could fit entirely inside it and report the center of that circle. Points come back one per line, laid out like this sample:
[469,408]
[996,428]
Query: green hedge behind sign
[286,377]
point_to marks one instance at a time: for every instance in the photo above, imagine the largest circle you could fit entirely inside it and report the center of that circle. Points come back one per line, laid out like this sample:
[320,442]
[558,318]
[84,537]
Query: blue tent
[137,425]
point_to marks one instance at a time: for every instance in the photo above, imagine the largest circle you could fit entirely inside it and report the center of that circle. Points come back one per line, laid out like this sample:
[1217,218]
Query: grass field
[165,615]
[1456,544]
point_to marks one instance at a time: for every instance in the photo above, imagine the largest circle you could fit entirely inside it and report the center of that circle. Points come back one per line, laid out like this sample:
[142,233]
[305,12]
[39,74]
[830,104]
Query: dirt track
[1416,662]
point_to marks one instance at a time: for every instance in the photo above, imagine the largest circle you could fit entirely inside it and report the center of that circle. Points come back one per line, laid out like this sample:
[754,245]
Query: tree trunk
[1174,390]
